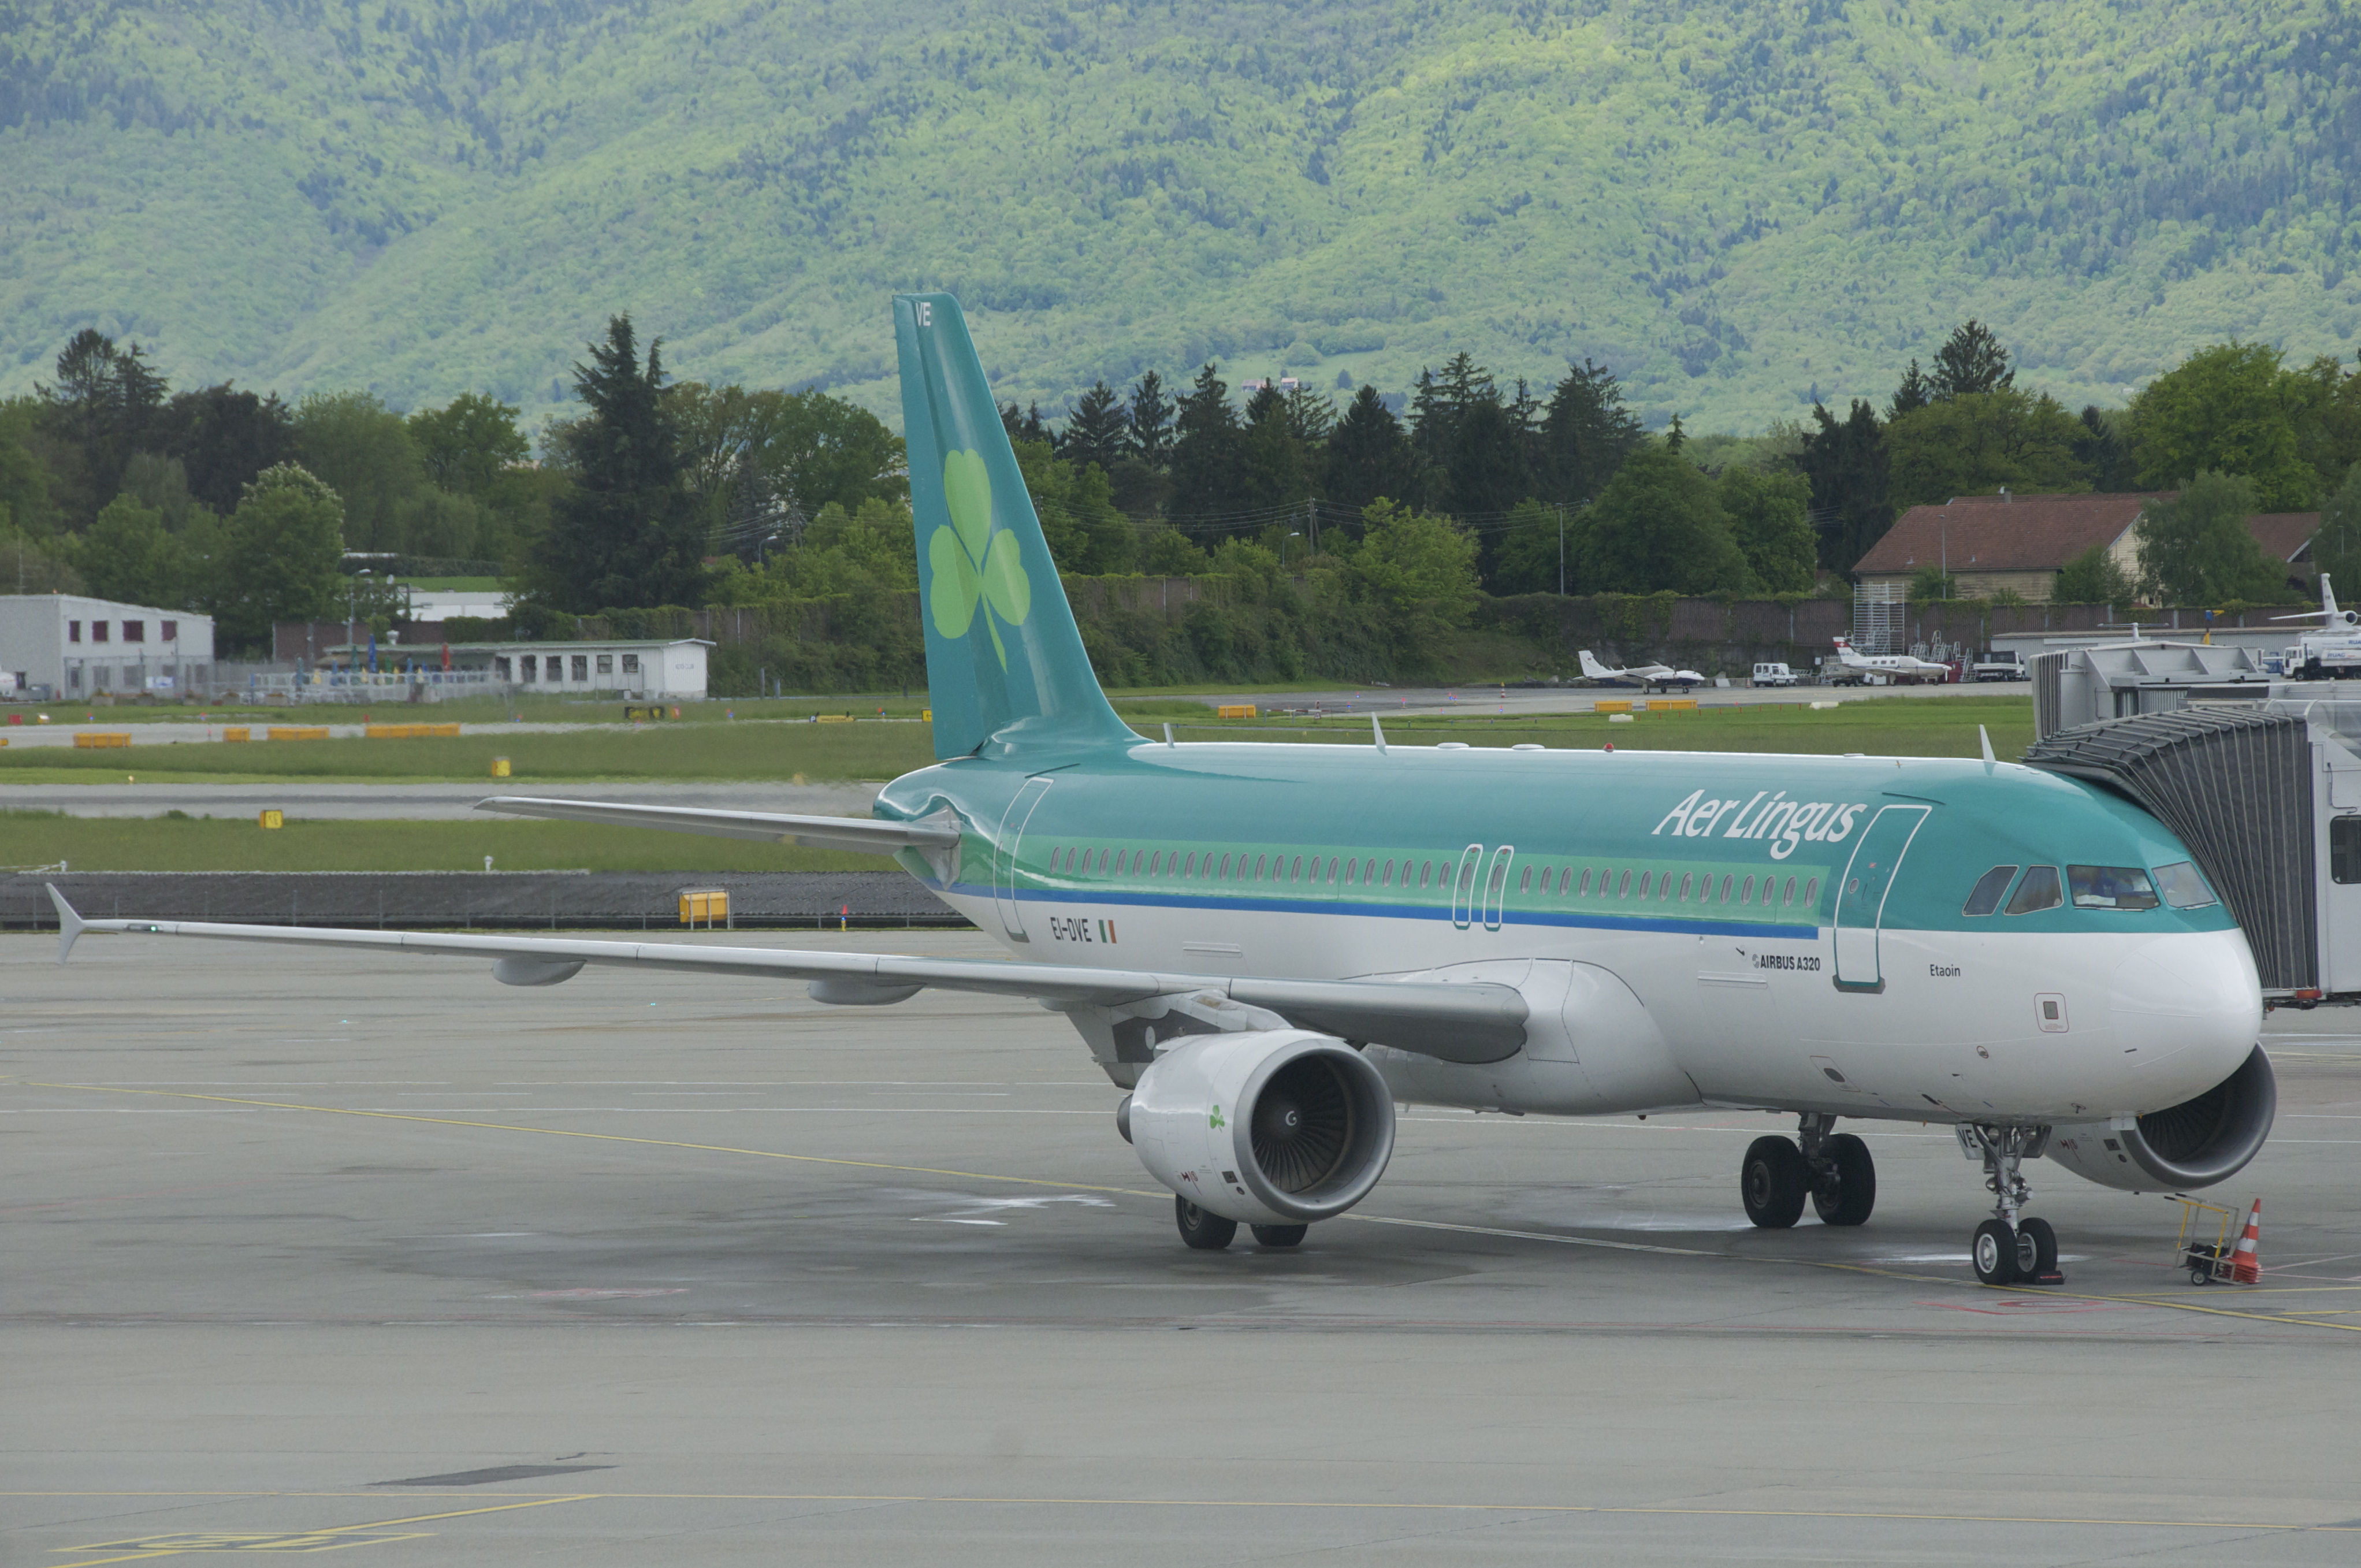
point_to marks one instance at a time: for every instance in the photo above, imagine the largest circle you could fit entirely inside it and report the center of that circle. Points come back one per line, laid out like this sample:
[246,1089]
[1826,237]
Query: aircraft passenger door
[1004,856]
[1496,885]
[1463,886]
[1861,895]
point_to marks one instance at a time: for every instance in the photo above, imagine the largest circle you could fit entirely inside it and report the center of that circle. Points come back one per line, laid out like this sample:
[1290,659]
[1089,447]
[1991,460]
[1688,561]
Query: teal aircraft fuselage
[1794,927]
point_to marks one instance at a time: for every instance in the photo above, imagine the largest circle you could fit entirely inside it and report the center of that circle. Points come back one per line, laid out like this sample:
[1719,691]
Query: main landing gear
[1208,1232]
[2009,1248]
[1832,1169]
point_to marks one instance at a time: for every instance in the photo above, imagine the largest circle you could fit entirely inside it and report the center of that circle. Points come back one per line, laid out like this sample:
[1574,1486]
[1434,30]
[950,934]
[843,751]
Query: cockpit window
[2038,890]
[2183,887]
[1985,899]
[2111,888]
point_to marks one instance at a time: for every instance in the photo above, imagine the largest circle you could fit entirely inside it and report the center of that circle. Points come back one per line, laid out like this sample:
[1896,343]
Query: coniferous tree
[1971,361]
[1277,470]
[1846,464]
[102,408]
[1370,456]
[1096,431]
[1208,450]
[1915,393]
[1586,434]
[627,532]
[1027,426]
[2104,456]
[1151,420]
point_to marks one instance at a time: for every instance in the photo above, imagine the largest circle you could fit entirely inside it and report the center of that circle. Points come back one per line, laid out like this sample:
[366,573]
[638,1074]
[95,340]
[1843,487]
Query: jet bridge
[2267,794]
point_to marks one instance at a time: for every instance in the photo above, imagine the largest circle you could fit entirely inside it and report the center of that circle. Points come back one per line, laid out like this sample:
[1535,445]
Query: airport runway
[310,1250]
[304,799]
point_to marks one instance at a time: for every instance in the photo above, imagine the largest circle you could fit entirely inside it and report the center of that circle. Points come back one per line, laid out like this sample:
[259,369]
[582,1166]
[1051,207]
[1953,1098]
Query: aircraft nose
[2193,1000]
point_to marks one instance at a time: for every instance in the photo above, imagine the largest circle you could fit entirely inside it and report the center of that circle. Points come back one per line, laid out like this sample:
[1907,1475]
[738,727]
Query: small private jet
[1648,677]
[1895,666]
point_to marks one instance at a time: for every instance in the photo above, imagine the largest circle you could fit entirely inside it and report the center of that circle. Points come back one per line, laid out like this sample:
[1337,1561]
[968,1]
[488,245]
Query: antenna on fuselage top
[1377,727]
[1167,736]
[1984,736]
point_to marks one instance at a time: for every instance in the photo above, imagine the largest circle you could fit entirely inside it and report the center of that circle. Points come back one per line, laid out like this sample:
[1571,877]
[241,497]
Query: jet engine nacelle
[2194,1143]
[1267,1127]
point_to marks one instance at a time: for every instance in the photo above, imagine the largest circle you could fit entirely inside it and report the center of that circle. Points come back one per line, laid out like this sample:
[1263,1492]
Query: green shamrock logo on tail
[972,564]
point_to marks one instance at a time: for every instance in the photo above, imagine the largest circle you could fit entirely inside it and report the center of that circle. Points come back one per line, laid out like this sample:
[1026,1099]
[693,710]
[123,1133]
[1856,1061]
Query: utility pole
[1561,550]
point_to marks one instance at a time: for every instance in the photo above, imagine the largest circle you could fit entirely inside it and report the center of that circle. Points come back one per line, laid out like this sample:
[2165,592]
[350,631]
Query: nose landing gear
[2010,1248]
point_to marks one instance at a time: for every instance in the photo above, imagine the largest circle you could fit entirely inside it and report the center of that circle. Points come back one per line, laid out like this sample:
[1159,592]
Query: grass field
[1930,727]
[176,843]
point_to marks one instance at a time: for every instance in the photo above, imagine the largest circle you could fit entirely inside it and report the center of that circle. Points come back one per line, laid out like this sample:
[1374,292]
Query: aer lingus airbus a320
[1267,947]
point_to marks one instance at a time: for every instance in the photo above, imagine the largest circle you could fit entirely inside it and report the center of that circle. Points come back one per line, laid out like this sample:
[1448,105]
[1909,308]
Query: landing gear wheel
[1773,1182]
[2037,1254]
[1848,1192]
[1994,1253]
[1202,1228]
[1279,1235]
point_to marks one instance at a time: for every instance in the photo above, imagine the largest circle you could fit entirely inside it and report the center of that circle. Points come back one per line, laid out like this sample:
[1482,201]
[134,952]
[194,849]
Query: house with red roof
[2020,543]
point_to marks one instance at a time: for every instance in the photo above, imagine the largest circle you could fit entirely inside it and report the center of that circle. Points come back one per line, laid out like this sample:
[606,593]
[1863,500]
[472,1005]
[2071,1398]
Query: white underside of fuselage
[1979,1025]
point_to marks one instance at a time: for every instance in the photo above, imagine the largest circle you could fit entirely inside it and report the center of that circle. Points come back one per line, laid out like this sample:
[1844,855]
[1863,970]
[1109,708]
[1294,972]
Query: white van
[1774,676]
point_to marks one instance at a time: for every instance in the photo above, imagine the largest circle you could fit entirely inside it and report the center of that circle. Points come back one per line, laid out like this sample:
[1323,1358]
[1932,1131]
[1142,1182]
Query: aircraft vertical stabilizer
[1005,669]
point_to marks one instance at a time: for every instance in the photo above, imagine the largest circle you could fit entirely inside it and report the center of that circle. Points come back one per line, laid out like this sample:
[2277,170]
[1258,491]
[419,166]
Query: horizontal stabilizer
[1477,1022]
[935,835]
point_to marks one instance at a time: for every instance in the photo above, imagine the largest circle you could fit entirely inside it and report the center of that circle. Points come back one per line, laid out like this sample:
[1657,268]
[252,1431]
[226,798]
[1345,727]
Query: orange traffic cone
[2245,1259]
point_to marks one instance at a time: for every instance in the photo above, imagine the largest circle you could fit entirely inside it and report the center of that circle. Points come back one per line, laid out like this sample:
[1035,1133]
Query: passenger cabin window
[2183,888]
[2039,890]
[2111,888]
[1988,889]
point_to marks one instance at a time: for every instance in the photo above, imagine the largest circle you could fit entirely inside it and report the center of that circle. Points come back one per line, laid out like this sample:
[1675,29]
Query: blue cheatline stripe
[1784,931]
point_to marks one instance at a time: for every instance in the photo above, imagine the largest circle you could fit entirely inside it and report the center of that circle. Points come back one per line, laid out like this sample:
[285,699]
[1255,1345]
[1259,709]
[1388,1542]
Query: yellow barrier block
[1622,705]
[500,767]
[706,903]
[272,819]
[1674,704]
[441,731]
[927,714]
[92,740]
[297,732]
[235,732]
[1235,710]
[410,731]
[833,717]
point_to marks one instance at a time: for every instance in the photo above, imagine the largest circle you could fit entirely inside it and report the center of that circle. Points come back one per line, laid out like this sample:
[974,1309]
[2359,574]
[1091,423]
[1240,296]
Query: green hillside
[1733,204]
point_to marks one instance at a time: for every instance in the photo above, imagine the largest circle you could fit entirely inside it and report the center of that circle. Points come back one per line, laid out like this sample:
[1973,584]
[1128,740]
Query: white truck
[1999,664]
[1774,676]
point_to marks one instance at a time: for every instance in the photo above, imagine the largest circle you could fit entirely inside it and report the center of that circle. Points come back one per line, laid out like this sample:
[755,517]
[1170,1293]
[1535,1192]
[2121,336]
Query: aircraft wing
[1467,1021]
[935,835]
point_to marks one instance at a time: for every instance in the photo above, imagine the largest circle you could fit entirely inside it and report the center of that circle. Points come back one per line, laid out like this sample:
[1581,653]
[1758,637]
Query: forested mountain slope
[1736,205]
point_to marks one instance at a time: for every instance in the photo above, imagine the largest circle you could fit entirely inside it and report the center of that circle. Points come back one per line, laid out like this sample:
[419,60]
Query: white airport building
[645,669]
[69,648]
